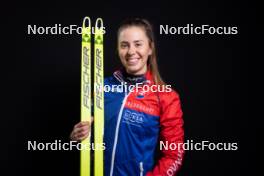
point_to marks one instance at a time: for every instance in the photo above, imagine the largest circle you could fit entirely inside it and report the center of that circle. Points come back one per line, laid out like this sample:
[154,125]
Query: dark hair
[152,60]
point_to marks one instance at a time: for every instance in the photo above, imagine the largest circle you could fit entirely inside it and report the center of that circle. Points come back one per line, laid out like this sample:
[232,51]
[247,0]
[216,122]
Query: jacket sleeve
[171,134]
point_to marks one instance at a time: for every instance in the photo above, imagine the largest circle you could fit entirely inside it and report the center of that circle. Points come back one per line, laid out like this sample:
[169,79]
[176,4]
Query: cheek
[145,53]
[122,57]
[120,54]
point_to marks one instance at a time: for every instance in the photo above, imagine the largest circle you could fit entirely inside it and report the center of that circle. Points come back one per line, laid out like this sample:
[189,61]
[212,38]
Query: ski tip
[84,22]
[99,20]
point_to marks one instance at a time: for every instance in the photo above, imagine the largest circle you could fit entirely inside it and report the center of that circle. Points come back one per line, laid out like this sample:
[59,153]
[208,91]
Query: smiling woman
[134,50]
[141,33]
[136,121]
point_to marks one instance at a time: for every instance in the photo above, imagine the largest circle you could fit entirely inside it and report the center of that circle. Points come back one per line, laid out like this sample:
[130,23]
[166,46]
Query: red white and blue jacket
[135,123]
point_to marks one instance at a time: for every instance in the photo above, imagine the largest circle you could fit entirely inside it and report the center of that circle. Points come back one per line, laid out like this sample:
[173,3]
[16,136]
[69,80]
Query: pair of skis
[98,96]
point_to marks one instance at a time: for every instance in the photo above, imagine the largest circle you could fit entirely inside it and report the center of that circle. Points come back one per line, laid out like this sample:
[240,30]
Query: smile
[132,61]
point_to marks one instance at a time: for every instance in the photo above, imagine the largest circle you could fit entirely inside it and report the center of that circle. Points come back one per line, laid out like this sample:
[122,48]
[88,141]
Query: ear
[150,52]
[150,49]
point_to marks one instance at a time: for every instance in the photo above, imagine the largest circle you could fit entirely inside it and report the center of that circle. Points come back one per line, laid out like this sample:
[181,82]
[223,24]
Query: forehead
[132,33]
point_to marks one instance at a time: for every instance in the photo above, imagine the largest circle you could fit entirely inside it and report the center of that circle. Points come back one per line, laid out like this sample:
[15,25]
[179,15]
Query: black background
[210,72]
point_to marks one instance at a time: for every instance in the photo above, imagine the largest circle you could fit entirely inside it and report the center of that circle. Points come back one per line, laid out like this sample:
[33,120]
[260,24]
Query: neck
[133,78]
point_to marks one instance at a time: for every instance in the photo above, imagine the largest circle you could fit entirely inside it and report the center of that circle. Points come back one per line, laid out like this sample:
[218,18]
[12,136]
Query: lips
[132,61]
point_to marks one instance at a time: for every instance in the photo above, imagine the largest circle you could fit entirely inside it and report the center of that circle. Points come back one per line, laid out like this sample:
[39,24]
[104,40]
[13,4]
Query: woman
[139,123]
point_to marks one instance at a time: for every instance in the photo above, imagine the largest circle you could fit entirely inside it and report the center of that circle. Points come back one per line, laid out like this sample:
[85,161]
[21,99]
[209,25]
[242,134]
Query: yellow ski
[98,99]
[98,96]
[86,93]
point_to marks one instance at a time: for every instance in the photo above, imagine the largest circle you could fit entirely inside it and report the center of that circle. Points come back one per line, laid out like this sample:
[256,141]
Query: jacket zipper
[116,133]
[141,168]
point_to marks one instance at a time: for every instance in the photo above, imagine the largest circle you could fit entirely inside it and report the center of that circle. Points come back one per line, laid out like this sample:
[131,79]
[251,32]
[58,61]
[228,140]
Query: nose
[131,50]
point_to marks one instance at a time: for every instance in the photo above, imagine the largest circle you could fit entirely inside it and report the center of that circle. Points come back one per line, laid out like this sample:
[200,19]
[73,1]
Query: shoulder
[167,97]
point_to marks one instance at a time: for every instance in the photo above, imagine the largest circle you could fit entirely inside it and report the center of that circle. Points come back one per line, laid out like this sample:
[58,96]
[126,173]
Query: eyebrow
[136,41]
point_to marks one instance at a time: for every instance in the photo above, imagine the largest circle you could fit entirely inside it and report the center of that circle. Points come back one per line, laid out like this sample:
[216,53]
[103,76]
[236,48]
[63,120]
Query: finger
[84,137]
[80,124]
[82,131]
[74,137]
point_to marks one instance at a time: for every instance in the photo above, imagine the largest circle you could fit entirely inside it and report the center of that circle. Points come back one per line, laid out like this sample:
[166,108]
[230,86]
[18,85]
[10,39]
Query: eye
[138,44]
[123,45]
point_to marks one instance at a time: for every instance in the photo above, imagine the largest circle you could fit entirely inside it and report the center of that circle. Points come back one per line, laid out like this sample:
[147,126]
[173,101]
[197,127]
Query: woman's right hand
[81,131]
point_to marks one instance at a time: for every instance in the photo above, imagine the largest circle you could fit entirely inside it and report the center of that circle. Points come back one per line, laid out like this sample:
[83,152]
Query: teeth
[132,61]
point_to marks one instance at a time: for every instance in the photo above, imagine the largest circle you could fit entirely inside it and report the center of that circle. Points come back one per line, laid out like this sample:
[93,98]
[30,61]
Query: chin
[133,71]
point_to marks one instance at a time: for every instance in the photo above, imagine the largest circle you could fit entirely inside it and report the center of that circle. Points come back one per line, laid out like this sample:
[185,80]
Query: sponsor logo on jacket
[133,118]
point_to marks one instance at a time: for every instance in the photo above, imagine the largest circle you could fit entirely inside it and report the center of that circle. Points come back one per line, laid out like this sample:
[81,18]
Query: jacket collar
[122,76]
